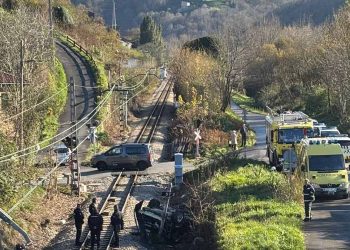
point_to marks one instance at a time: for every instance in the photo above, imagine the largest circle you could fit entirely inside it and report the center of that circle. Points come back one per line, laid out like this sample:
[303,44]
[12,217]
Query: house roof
[6,78]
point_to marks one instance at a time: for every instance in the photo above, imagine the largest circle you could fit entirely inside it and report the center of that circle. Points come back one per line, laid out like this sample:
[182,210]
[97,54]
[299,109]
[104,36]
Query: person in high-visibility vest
[309,197]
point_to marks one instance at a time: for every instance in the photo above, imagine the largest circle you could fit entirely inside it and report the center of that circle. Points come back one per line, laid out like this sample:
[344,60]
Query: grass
[251,213]
[58,81]
[247,103]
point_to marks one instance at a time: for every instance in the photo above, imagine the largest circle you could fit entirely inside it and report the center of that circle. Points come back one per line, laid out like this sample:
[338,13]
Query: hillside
[202,17]
[314,11]
[198,19]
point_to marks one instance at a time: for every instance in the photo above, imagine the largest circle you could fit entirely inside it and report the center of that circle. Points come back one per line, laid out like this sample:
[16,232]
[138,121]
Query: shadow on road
[329,228]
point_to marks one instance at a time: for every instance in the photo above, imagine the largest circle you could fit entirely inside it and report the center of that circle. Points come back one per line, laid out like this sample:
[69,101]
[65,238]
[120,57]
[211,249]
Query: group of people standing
[234,137]
[95,223]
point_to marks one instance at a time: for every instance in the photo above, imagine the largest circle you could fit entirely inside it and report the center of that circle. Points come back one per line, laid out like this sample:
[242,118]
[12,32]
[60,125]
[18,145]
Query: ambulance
[284,131]
[322,162]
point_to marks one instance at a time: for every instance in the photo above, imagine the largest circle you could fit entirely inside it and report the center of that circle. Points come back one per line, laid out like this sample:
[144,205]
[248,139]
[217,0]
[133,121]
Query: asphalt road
[75,67]
[257,123]
[329,228]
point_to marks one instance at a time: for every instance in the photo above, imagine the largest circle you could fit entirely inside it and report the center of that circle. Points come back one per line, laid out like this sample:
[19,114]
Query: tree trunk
[225,101]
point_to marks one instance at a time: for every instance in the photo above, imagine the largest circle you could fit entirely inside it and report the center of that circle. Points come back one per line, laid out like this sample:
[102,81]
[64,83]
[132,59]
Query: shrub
[58,82]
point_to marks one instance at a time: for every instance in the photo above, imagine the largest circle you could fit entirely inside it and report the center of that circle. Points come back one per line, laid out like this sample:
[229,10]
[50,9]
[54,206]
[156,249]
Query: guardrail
[8,220]
[70,40]
[81,48]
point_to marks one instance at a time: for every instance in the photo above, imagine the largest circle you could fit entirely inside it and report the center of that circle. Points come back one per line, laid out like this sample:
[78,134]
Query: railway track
[122,186]
[147,132]
[118,194]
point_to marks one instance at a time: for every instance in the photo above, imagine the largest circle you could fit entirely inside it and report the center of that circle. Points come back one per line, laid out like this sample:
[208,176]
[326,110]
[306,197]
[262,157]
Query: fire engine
[284,131]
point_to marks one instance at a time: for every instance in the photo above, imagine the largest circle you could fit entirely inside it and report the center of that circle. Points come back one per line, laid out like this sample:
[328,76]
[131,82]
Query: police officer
[92,206]
[309,197]
[95,222]
[79,221]
[117,224]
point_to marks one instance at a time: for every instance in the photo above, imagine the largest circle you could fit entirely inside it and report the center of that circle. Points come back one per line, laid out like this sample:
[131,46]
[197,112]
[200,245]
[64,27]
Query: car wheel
[345,196]
[101,166]
[142,165]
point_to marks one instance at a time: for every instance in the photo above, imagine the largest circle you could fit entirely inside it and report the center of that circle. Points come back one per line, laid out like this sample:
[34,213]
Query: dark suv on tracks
[127,155]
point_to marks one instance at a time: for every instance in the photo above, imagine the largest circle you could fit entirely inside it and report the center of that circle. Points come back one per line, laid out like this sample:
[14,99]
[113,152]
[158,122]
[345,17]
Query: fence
[80,48]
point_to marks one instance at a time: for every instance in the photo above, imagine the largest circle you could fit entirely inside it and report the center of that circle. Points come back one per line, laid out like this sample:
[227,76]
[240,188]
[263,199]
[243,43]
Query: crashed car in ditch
[178,222]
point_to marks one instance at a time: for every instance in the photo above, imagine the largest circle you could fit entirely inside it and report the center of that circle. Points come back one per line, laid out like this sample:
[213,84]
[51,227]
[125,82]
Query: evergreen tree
[150,31]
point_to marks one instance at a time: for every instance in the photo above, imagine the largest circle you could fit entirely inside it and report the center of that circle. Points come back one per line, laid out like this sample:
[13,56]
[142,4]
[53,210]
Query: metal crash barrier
[8,220]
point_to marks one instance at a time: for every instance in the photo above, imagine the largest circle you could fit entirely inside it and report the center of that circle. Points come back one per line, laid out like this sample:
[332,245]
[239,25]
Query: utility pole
[114,18]
[74,164]
[22,95]
[126,108]
[119,96]
[51,24]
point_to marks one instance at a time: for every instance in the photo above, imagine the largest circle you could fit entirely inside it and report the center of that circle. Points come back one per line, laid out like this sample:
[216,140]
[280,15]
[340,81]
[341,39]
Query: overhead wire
[58,164]
[36,105]
[42,180]
[63,132]
[126,101]
[53,143]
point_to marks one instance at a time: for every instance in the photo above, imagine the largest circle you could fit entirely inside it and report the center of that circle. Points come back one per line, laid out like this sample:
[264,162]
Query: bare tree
[32,28]
[235,44]
[336,63]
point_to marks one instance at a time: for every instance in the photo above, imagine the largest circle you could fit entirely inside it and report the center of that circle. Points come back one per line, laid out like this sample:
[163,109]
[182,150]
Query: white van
[62,154]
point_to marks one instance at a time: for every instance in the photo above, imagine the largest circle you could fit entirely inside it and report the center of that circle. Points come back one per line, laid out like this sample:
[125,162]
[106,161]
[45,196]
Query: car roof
[60,146]
[339,138]
[132,144]
[330,129]
[320,125]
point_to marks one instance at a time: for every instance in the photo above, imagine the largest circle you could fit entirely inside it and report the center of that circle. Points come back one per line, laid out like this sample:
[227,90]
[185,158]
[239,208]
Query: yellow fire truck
[283,130]
[322,162]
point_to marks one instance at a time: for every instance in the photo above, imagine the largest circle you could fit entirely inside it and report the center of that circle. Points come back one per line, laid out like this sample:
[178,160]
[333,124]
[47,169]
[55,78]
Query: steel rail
[86,232]
[153,129]
[164,94]
[124,206]
[123,199]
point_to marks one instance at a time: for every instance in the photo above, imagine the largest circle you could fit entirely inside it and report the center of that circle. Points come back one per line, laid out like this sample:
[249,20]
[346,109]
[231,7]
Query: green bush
[58,83]
[102,82]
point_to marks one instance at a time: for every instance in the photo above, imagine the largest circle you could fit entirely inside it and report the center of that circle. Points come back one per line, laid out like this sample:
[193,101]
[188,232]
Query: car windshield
[61,150]
[326,162]
[291,135]
[325,133]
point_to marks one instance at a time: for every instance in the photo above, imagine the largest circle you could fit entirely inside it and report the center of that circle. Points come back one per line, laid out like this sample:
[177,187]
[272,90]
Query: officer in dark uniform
[309,197]
[117,224]
[244,131]
[93,205]
[79,221]
[95,222]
